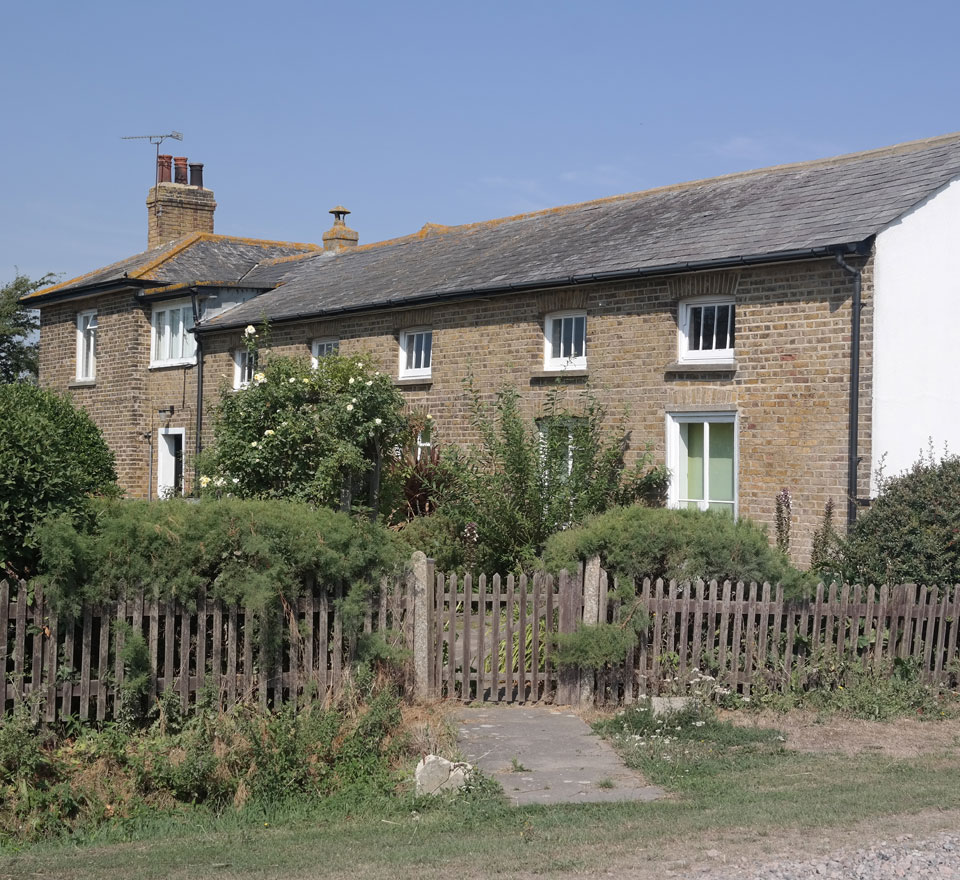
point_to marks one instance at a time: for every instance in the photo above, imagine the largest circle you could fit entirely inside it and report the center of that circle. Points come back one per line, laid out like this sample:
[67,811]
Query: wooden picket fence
[74,666]
[483,638]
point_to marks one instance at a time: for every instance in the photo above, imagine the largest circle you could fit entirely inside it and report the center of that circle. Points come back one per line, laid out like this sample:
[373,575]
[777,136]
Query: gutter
[565,281]
[853,430]
[81,292]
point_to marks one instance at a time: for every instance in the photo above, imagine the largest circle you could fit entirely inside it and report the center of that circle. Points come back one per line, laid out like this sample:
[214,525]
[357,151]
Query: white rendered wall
[916,347]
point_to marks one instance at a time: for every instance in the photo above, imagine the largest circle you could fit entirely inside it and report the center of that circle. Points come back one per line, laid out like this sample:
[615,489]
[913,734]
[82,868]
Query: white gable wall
[916,353]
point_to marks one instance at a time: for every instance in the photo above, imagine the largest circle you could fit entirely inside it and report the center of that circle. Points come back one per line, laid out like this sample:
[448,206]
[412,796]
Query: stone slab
[546,755]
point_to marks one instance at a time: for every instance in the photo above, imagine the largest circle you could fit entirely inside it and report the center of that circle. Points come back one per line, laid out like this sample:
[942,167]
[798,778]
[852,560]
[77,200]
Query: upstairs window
[244,366]
[86,346]
[565,341]
[707,329]
[172,337]
[416,354]
[323,348]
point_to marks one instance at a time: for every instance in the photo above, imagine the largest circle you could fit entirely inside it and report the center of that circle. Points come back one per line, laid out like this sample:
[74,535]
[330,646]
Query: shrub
[637,542]
[318,435]
[911,533]
[52,458]
[248,552]
[500,499]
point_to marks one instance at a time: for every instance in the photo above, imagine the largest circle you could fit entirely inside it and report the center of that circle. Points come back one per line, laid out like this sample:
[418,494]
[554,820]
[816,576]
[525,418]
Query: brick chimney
[176,208]
[339,236]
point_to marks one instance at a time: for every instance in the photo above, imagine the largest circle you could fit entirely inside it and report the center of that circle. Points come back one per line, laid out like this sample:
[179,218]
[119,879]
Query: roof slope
[784,210]
[192,258]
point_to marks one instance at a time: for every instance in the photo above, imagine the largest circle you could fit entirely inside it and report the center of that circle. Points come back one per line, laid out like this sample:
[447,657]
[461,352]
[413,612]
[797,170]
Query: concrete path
[546,755]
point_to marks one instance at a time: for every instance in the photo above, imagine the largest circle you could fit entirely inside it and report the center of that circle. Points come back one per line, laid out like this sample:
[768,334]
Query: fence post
[591,617]
[568,688]
[422,612]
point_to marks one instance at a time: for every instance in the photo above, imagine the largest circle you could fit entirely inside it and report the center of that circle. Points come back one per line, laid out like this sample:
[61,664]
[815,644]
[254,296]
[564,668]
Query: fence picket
[465,676]
[86,650]
[737,635]
[20,645]
[51,665]
[522,641]
[657,644]
[535,637]
[750,639]
[508,654]
[549,682]
[495,641]
[481,637]
[103,662]
[4,636]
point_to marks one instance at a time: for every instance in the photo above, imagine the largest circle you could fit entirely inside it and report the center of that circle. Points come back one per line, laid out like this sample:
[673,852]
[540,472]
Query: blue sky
[441,112]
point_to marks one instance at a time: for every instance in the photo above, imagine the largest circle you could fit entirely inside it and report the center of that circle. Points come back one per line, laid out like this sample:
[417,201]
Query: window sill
[82,383]
[413,380]
[702,367]
[165,365]
[547,377]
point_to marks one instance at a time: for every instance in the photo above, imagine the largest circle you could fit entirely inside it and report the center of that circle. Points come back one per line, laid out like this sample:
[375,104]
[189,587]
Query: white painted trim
[414,372]
[673,422]
[165,463]
[80,376]
[684,355]
[170,305]
[572,363]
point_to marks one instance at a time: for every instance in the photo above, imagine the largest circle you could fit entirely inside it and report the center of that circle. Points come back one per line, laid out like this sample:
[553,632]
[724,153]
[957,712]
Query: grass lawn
[731,787]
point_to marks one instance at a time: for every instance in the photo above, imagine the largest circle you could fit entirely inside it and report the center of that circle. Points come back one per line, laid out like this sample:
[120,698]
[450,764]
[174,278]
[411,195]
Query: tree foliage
[911,533]
[313,434]
[18,347]
[52,458]
[500,499]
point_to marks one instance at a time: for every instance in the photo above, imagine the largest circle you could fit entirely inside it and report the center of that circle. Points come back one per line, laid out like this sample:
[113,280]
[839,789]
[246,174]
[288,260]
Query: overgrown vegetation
[52,459]
[499,500]
[18,326]
[320,435]
[911,533]
[247,552]
[637,542]
[72,782]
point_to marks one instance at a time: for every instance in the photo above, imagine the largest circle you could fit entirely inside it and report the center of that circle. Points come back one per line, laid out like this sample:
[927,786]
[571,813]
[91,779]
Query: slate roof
[192,258]
[773,213]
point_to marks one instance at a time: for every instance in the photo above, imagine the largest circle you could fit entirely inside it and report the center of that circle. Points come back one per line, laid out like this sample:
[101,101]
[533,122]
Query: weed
[606,782]
[517,767]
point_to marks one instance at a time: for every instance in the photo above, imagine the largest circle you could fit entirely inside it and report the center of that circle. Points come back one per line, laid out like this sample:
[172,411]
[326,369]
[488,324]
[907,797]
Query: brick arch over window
[703,284]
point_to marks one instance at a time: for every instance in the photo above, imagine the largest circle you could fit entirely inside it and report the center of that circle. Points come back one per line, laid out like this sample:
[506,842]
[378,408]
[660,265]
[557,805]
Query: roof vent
[339,236]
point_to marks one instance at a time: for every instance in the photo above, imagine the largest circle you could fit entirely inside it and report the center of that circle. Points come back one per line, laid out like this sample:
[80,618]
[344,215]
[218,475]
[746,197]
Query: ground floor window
[702,458]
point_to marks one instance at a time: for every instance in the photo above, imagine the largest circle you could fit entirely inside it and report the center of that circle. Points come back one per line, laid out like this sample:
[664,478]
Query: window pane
[411,342]
[721,462]
[427,349]
[176,334]
[567,346]
[696,322]
[557,326]
[709,321]
[723,319]
[163,336]
[579,336]
[189,340]
[691,464]
[733,320]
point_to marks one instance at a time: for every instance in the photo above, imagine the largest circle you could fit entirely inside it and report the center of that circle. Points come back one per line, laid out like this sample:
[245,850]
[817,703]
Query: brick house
[780,328]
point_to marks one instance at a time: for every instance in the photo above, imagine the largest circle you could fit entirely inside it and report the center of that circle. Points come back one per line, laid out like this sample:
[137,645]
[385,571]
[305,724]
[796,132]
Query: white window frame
[159,334]
[674,449]
[86,342]
[424,442]
[166,466]
[242,364]
[324,347]
[560,363]
[407,338]
[685,354]
[547,423]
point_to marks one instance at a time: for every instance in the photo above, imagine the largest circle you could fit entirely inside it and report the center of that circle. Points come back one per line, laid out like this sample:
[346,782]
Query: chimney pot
[180,169]
[196,174]
[163,168]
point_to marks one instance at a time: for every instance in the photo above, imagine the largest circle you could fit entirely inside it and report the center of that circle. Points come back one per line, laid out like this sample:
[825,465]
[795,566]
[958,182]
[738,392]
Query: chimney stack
[177,208]
[339,236]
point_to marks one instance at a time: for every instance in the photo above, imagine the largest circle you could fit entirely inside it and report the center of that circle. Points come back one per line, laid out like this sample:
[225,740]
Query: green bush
[500,499]
[311,434]
[638,542]
[248,552]
[911,533]
[52,458]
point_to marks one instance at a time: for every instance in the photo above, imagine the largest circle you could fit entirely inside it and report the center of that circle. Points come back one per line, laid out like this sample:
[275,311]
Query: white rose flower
[305,380]
[251,330]
[349,407]
[351,381]
[219,481]
[378,421]
[259,378]
[292,379]
[353,400]
[204,482]
[254,444]
[236,480]
[268,433]
[429,417]
[369,382]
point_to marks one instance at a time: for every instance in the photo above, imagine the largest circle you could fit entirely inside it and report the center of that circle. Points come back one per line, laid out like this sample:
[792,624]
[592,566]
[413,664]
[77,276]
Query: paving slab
[546,755]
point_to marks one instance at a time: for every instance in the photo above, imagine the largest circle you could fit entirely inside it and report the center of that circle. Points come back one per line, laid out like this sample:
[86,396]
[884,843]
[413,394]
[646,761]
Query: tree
[319,435]
[52,458]
[18,347]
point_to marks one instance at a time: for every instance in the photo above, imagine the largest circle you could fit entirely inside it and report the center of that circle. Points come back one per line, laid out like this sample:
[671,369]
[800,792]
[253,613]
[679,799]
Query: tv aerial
[155,139]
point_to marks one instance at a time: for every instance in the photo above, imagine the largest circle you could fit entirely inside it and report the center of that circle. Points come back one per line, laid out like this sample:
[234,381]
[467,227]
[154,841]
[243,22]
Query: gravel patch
[936,858]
